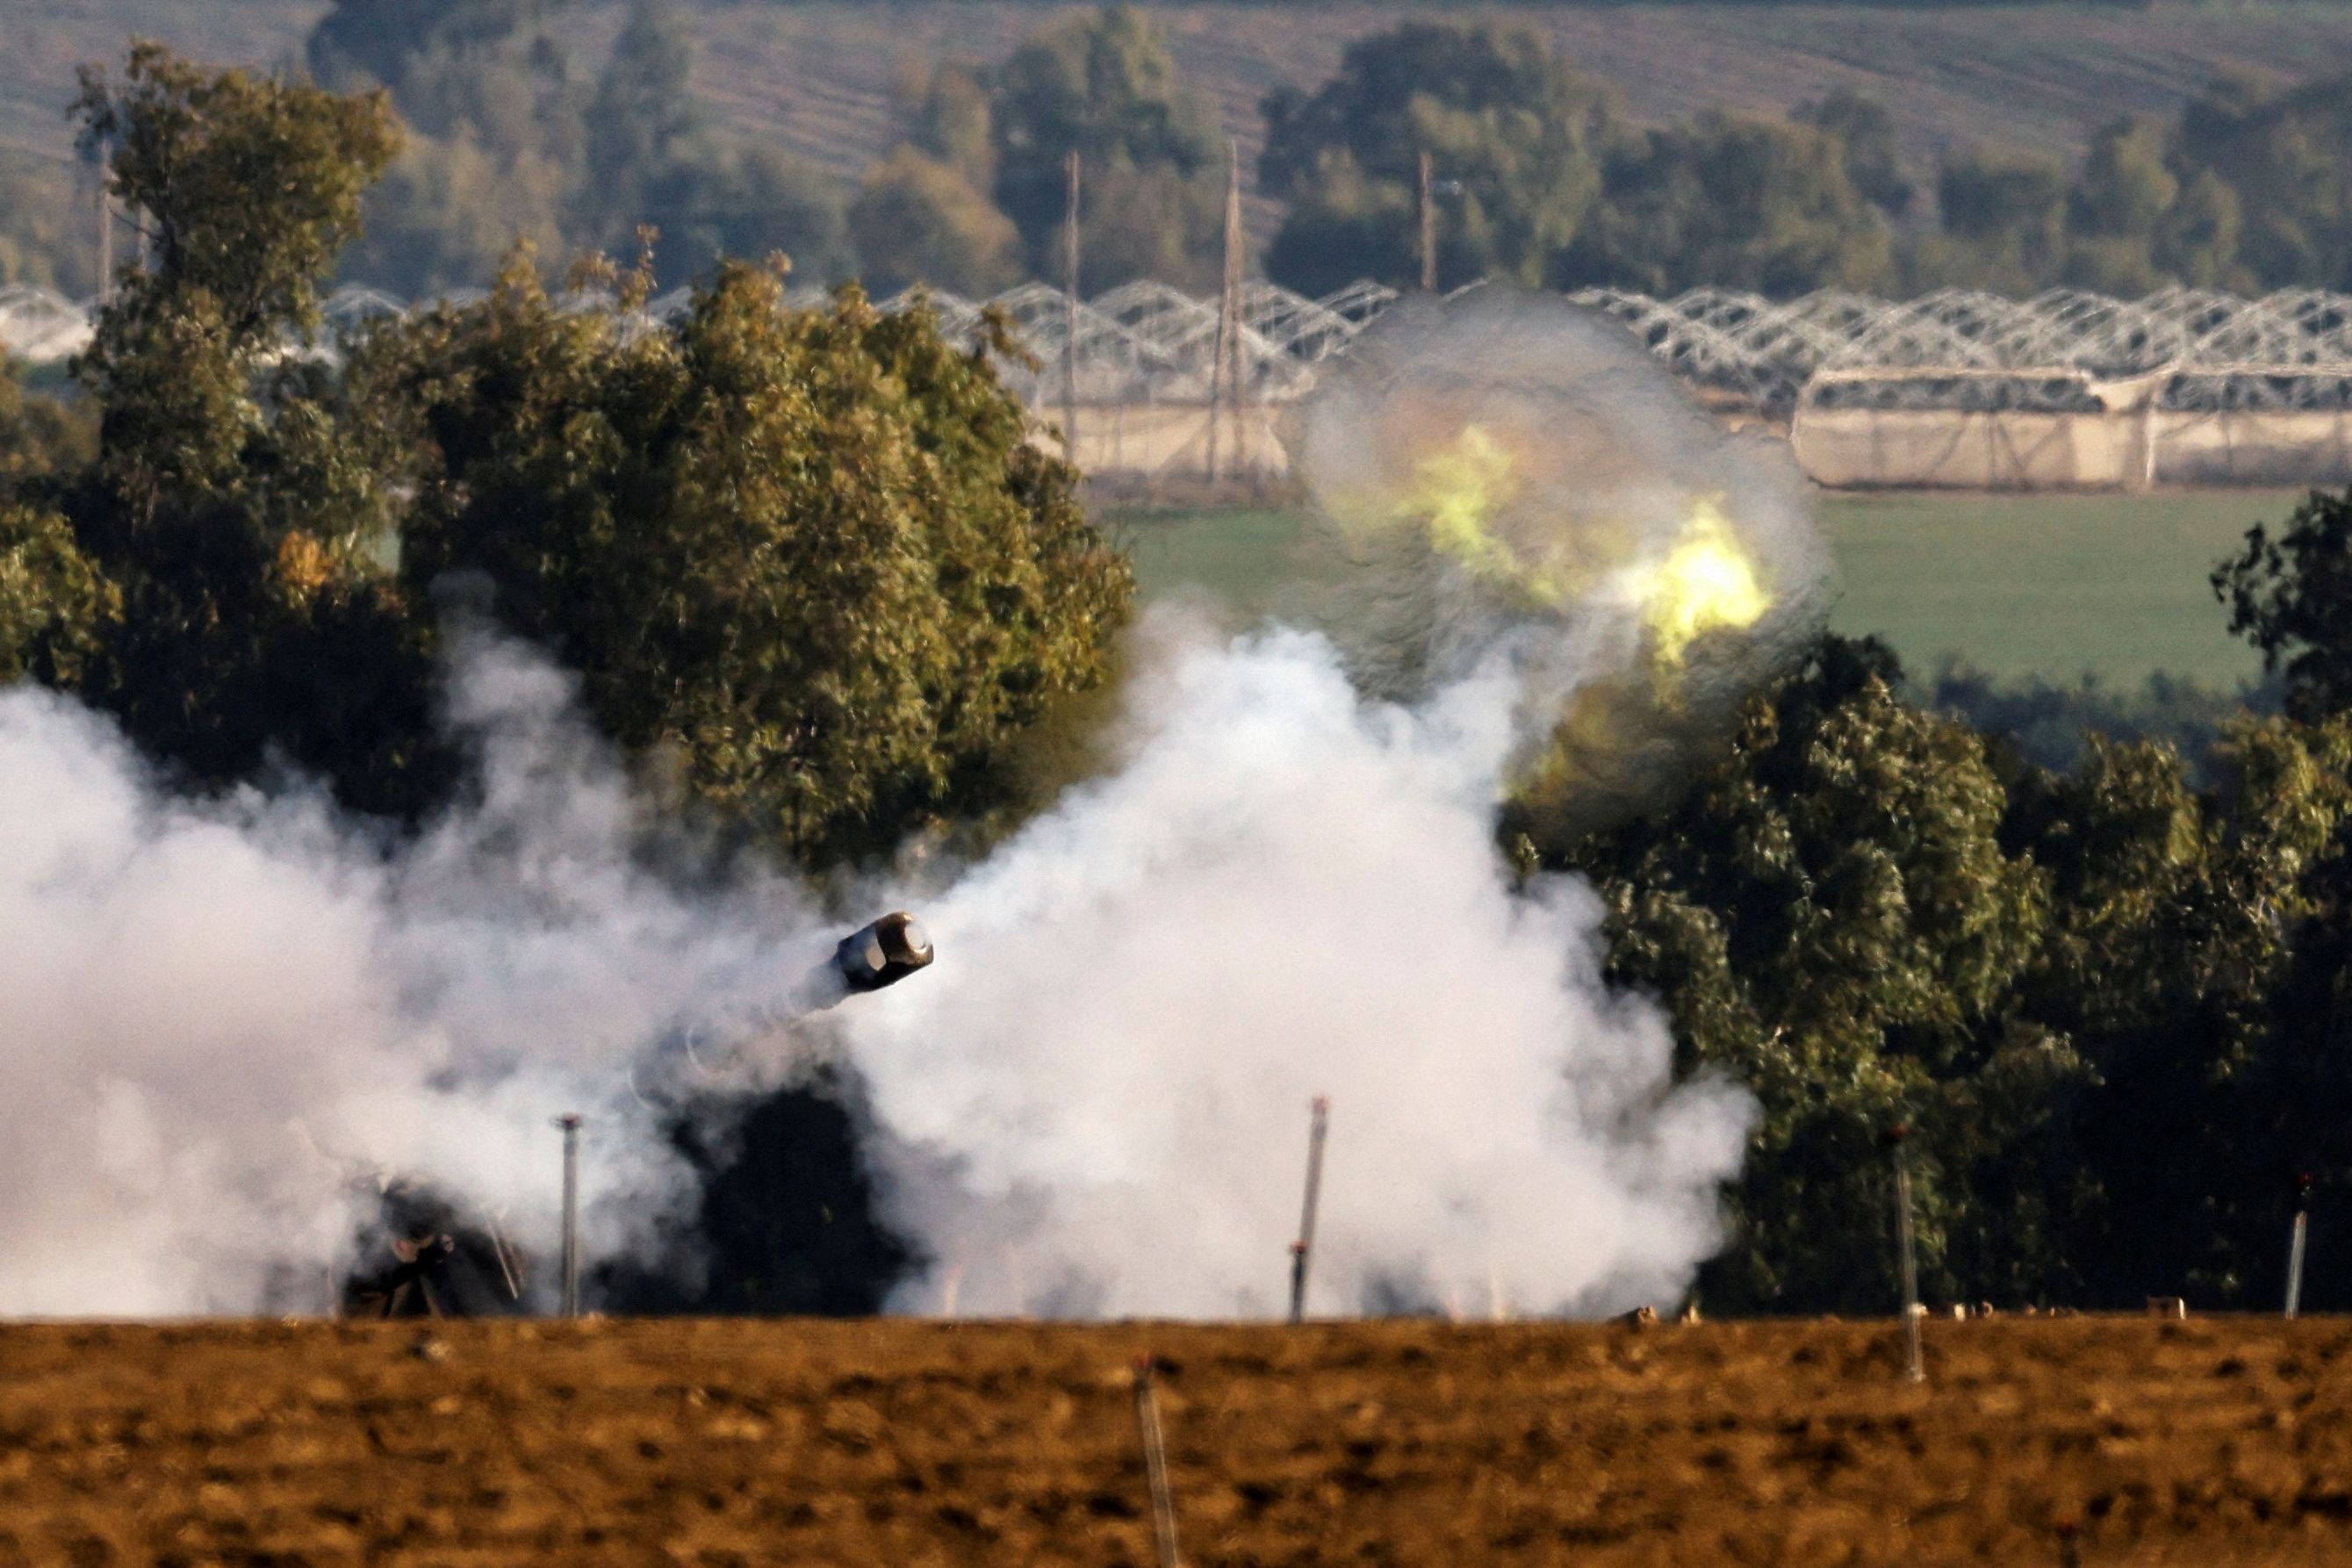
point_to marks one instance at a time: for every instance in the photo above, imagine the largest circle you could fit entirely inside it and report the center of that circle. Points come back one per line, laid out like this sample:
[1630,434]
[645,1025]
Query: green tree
[2196,240]
[1103,86]
[811,559]
[2286,156]
[56,609]
[1833,918]
[654,161]
[2123,195]
[237,500]
[1518,140]
[43,438]
[2178,914]
[47,225]
[447,213]
[1874,156]
[2290,594]
[954,124]
[917,220]
[1735,203]
[2004,223]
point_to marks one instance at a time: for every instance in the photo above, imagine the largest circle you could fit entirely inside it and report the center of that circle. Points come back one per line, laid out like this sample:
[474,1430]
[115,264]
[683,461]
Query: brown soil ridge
[893,1441]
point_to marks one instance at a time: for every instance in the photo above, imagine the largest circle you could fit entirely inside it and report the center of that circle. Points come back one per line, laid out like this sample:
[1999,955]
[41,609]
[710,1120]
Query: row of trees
[232,548]
[1541,178]
[1545,184]
[2109,1000]
[813,579]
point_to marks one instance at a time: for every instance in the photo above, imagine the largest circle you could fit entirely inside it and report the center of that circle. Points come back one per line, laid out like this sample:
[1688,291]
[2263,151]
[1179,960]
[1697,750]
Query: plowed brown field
[2206,1442]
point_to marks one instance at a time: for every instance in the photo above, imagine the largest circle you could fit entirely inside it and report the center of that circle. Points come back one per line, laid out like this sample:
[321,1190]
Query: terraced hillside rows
[820,78]
[893,1441]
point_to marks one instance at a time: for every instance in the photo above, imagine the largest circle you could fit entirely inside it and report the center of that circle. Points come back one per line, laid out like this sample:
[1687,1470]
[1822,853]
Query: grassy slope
[2050,584]
[819,78]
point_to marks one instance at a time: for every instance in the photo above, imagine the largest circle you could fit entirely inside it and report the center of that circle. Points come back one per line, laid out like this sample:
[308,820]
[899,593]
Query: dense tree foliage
[2290,594]
[1539,180]
[987,149]
[2101,998]
[809,557]
[920,220]
[48,223]
[1105,88]
[1519,139]
[1735,203]
[510,144]
[1538,177]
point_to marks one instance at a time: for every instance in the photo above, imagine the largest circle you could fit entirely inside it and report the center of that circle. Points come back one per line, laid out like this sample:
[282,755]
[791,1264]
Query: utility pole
[1230,308]
[1428,230]
[569,1123]
[1225,372]
[105,230]
[1070,313]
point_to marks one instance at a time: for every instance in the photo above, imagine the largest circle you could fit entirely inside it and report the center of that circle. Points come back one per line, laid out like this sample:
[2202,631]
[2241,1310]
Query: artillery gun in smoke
[447,1259]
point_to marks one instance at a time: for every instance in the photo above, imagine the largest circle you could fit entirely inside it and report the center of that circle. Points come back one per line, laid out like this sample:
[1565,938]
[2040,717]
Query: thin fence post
[1914,1369]
[1302,1250]
[569,1123]
[1155,1465]
[2295,1246]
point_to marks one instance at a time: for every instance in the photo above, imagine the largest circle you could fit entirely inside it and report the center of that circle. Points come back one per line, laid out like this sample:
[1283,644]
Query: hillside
[820,78]
[2211,1442]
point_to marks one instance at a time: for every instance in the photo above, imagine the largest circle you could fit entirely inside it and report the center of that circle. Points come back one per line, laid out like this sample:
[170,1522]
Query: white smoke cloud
[1097,1103]
[222,1022]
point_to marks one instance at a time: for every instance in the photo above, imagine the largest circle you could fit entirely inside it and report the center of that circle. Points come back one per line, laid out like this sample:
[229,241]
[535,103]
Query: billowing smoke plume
[226,1024]
[220,1026]
[1285,892]
[1506,468]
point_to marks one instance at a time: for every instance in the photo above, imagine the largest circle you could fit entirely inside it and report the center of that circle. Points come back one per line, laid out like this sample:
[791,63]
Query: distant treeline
[1538,176]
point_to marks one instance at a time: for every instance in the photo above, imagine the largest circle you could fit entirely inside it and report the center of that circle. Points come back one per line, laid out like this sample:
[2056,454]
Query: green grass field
[2050,586]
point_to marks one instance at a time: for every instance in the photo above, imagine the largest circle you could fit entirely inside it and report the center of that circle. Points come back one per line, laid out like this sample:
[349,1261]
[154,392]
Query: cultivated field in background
[2016,585]
[820,78]
[2211,1442]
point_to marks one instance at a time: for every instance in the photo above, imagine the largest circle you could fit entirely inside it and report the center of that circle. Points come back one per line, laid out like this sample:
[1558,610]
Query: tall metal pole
[1070,313]
[1428,230]
[569,1122]
[1302,1251]
[105,232]
[1229,307]
[2295,1244]
[1896,1137]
